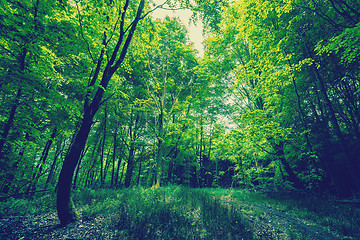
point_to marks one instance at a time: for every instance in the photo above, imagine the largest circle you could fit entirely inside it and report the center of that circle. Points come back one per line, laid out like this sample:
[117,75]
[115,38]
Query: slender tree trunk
[107,163]
[130,165]
[65,207]
[10,121]
[201,155]
[94,158]
[301,112]
[117,172]
[102,151]
[38,172]
[122,173]
[279,153]
[113,159]
[53,165]
[91,179]
[138,178]
[159,155]
[11,118]
[353,177]
[78,167]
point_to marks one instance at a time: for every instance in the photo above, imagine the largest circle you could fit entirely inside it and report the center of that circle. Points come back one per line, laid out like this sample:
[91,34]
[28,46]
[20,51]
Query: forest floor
[269,223]
[263,222]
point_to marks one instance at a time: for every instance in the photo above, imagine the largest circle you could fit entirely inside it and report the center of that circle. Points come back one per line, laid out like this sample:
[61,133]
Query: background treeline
[273,102]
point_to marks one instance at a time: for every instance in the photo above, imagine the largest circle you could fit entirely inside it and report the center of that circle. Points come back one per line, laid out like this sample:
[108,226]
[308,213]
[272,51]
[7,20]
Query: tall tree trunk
[53,165]
[65,207]
[78,167]
[301,112]
[159,155]
[139,174]
[117,172]
[201,155]
[107,163]
[130,165]
[102,151]
[354,179]
[38,172]
[122,173]
[10,121]
[292,177]
[94,158]
[113,159]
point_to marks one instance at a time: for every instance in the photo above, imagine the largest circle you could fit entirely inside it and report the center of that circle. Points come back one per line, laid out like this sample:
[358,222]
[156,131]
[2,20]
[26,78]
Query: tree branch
[82,33]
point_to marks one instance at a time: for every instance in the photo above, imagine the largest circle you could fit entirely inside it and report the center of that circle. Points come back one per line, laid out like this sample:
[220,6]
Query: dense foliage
[124,99]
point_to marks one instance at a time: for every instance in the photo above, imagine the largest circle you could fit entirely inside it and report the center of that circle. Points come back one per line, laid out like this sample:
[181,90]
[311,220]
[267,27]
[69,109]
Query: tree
[271,56]
[30,80]
[65,206]
[170,72]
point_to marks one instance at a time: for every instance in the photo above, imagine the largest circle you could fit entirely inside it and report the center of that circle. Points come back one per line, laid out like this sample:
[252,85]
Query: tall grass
[172,213]
[39,203]
[324,211]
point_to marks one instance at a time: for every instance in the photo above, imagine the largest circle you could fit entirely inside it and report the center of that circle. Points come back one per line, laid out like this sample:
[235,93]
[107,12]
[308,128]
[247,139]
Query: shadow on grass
[176,213]
[342,218]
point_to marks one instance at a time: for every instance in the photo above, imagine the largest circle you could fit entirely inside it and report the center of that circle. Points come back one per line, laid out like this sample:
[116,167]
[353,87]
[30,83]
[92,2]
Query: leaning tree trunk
[65,207]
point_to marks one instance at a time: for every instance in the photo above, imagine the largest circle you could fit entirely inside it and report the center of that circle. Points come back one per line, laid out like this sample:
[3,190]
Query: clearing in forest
[178,213]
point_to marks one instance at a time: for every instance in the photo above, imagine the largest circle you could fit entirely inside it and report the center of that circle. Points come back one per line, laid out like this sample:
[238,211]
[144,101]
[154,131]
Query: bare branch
[107,99]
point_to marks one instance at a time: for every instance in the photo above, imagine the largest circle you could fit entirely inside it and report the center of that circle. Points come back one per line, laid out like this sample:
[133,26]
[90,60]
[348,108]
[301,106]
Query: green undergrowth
[176,212]
[37,204]
[164,213]
[326,212]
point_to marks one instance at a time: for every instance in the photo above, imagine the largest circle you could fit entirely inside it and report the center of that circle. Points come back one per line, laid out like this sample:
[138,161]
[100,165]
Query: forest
[102,103]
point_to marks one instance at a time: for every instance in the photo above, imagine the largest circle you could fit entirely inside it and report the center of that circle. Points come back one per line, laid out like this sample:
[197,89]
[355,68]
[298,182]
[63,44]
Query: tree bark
[65,206]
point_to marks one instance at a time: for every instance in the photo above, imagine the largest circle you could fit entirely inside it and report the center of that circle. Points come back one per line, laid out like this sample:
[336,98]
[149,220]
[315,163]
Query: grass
[184,213]
[165,213]
[325,212]
[20,206]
